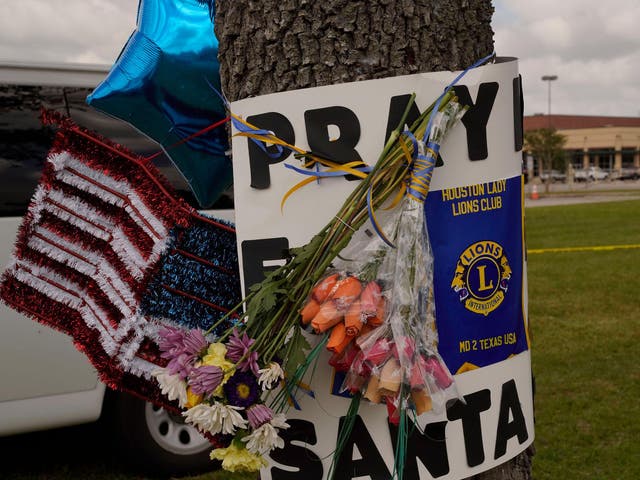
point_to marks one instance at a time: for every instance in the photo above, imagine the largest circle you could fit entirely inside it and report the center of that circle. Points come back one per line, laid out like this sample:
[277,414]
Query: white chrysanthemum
[270,375]
[279,421]
[263,439]
[172,386]
[216,418]
[201,417]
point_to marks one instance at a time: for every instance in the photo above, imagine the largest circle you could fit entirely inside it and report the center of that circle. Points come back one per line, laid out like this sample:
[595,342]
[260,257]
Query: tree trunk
[277,45]
[272,46]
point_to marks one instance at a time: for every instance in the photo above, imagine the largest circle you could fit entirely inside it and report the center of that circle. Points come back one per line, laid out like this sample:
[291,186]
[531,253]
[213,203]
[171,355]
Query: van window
[24,142]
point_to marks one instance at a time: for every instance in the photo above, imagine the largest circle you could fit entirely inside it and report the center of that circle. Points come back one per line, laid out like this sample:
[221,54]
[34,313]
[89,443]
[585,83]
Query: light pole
[549,79]
[546,160]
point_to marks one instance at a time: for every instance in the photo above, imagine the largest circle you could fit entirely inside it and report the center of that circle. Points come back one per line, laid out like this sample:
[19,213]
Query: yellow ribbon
[348,168]
[396,200]
[419,181]
[298,186]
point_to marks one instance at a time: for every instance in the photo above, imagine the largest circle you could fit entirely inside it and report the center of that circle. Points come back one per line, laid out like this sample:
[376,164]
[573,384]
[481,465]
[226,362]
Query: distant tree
[546,145]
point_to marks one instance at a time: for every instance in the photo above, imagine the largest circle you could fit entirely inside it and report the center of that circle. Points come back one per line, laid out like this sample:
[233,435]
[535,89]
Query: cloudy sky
[592,46]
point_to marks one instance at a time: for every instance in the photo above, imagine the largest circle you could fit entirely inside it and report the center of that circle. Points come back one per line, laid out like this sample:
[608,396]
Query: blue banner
[476,233]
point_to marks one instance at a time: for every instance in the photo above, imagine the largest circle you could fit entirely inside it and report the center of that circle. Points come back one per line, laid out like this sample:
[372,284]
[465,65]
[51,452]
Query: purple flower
[238,347]
[194,342]
[181,365]
[242,389]
[182,348]
[204,380]
[170,341]
[258,415]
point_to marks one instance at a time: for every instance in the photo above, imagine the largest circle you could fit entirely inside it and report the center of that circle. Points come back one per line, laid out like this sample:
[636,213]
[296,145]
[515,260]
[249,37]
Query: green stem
[229,313]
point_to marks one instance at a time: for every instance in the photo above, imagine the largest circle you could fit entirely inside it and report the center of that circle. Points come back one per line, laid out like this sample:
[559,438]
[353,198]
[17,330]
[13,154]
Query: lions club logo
[482,277]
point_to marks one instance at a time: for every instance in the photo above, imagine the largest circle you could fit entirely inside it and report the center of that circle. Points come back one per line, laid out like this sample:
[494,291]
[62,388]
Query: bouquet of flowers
[225,382]
[384,335]
[220,385]
[346,305]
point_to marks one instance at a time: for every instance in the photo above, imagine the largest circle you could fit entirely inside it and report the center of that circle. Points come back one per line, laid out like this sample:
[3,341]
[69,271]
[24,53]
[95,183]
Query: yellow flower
[238,459]
[193,399]
[216,356]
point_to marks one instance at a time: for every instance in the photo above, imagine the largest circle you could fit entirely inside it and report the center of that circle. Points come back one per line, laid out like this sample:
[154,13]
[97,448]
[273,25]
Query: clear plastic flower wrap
[398,363]
[412,318]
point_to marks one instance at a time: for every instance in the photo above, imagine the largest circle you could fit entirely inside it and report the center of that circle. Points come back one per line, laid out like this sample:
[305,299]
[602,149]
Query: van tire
[154,441]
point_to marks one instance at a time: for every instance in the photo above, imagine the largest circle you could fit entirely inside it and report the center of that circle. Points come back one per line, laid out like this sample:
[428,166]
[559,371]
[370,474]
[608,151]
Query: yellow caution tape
[582,249]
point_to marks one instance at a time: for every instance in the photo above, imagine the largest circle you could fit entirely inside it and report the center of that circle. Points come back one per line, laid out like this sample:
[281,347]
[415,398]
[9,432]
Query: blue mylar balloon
[161,84]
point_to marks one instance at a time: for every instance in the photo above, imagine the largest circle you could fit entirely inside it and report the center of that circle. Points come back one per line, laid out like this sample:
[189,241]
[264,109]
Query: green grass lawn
[584,311]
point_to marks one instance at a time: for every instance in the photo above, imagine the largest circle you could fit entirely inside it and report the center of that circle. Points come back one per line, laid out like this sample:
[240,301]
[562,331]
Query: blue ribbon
[241,127]
[414,140]
[449,87]
[432,145]
[293,389]
[422,172]
[364,169]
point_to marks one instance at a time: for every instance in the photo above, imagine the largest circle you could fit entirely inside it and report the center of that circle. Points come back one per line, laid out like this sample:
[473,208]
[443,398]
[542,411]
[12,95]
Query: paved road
[563,194]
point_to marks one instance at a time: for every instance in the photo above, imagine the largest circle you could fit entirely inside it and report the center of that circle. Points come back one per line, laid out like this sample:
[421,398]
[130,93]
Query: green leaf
[303,254]
[297,352]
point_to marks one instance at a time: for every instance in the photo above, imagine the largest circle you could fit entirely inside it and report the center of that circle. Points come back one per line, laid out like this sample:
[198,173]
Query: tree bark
[277,45]
[272,46]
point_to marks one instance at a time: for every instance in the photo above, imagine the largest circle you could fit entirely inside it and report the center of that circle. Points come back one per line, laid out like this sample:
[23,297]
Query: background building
[611,143]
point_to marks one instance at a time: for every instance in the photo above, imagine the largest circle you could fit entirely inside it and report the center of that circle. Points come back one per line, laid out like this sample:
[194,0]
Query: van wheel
[155,441]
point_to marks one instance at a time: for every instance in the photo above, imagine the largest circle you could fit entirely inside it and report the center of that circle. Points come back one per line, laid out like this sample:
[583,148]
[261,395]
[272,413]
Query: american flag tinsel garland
[198,274]
[107,254]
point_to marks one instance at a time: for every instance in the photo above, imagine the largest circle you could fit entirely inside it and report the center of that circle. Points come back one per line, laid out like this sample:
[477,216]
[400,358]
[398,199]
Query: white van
[44,381]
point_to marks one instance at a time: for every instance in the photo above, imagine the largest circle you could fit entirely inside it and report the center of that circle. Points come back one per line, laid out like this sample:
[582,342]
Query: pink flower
[360,366]
[370,298]
[258,415]
[406,347]
[380,351]
[418,373]
[238,347]
[357,375]
[392,410]
[205,379]
[439,371]
[174,342]
[353,383]
[342,361]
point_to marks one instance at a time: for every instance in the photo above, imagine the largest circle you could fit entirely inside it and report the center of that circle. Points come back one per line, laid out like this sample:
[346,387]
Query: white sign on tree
[474,213]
